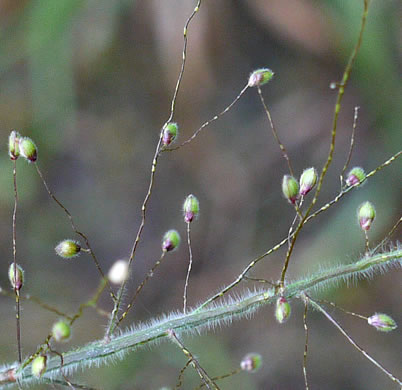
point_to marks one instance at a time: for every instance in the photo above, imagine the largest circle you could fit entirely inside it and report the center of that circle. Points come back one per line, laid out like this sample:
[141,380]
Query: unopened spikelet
[308,179]
[290,188]
[191,208]
[382,322]
[355,176]
[61,330]
[171,240]
[13,145]
[28,149]
[16,276]
[68,249]
[39,366]
[118,272]
[169,133]
[251,362]
[282,310]
[260,77]
[365,215]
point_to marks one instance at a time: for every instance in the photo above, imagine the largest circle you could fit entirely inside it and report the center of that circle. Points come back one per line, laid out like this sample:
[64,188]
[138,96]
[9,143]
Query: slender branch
[305,345]
[190,263]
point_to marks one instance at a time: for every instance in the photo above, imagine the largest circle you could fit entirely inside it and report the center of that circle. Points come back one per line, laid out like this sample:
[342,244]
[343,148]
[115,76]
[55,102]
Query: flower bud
[68,249]
[260,77]
[16,276]
[355,176]
[13,145]
[282,311]
[191,208]
[308,179]
[169,133]
[251,362]
[382,322]
[290,188]
[28,149]
[119,272]
[171,240]
[38,366]
[61,330]
[366,215]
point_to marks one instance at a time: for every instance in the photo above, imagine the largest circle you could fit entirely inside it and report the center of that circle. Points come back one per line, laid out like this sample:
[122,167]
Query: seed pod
[68,249]
[283,310]
[16,277]
[355,176]
[308,179]
[39,366]
[382,322]
[61,330]
[13,145]
[366,215]
[28,149]
[290,188]
[191,208]
[118,272]
[260,77]
[169,133]
[251,362]
[171,240]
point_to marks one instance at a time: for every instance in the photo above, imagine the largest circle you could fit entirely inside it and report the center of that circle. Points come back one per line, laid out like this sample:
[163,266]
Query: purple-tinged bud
[366,215]
[260,77]
[28,149]
[290,188]
[283,310]
[16,276]
[251,362]
[355,176]
[308,179]
[382,322]
[191,208]
[169,133]
[171,240]
[13,145]
[68,249]
[39,366]
[61,330]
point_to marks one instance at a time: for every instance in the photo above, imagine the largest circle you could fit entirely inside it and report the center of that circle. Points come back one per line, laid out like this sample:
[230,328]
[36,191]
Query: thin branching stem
[305,345]
[389,235]
[190,263]
[341,309]
[220,377]
[181,374]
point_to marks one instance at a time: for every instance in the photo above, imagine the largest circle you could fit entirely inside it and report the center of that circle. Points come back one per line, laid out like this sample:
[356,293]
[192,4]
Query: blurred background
[91,82]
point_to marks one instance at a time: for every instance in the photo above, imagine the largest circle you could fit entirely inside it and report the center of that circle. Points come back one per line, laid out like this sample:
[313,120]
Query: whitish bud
[171,240]
[282,311]
[61,330]
[28,149]
[169,133]
[13,145]
[251,362]
[366,215]
[355,176]
[290,188]
[382,322]
[308,179]
[260,77]
[191,208]
[68,249]
[16,276]
[38,366]
[118,272]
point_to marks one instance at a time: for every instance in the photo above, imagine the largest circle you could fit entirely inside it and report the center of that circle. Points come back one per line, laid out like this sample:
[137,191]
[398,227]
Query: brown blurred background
[91,82]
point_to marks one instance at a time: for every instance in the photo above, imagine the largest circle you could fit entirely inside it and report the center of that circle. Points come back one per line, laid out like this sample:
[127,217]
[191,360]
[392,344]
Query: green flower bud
[366,215]
[16,276]
[68,249]
[355,176]
[171,240]
[13,145]
[308,179]
[191,208]
[118,272]
[290,188]
[61,330]
[382,322]
[39,366]
[28,149]
[251,362]
[169,133]
[260,77]
[283,310]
